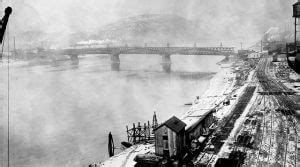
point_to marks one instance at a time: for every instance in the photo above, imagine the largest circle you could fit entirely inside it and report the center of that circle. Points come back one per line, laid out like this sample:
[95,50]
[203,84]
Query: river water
[61,113]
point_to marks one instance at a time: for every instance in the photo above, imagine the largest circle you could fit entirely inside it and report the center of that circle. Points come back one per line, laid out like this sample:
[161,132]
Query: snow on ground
[125,158]
[288,77]
[293,86]
[226,110]
[237,125]
[274,143]
[220,88]
[294,76]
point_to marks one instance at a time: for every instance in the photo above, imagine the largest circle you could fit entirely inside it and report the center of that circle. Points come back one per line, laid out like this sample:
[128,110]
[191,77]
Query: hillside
[150,29]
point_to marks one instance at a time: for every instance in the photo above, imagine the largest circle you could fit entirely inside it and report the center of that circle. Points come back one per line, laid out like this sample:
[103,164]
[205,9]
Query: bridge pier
[74,59]
[115,61]
[166,62]
[226,57]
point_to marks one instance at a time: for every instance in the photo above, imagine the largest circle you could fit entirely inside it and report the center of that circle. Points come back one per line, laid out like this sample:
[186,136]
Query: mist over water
[61,113]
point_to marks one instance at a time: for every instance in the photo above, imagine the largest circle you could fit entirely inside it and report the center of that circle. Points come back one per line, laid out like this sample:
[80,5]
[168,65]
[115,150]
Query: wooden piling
[139,131]
[148,130]
[127,133]
[145,132]
[133,133]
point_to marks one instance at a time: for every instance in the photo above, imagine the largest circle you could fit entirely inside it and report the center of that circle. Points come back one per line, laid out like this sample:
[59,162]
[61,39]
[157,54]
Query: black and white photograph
[149,83]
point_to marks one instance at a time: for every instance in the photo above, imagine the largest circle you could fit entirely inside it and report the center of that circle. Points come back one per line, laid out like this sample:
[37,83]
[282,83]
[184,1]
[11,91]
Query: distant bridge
[165,52]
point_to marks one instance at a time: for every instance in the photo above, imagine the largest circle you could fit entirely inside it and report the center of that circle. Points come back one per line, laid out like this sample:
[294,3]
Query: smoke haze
[232,21]
[60,115]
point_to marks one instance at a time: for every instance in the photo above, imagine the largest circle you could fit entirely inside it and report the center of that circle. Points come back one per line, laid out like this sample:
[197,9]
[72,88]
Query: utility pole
[295,35]
[14,43]
[261,46]
[241,45]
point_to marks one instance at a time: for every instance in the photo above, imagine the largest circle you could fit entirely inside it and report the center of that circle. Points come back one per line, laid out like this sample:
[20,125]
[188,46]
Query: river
[61,113]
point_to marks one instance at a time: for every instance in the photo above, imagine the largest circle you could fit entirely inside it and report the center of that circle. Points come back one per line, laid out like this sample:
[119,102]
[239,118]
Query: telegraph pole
[295,36]
[14,43]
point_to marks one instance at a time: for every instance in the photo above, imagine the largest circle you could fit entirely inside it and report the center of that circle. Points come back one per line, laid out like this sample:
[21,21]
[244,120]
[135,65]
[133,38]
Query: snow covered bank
[219,89]
[222,87]
[126,157]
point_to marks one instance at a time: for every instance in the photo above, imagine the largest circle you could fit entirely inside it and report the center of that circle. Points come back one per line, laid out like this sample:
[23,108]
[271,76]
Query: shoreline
[91,154]
[220,87]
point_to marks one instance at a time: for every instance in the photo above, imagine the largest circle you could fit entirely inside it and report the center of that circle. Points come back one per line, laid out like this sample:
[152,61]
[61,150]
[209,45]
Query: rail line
[267,152]
[253,130]
[279,113]
[287,107]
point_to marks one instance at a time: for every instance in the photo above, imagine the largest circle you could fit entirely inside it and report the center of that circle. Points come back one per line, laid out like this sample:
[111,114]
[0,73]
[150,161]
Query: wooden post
[127,133]
[14,44]
[133,135]
[148,131]
[139,131]
[145,132]
[295,37]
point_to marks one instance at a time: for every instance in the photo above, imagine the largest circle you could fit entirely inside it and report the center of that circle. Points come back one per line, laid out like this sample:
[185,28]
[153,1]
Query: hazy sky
[239,19]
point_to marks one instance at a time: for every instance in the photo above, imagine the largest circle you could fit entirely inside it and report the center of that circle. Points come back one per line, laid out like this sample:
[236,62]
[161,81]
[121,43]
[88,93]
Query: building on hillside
[244,52]
[254,55]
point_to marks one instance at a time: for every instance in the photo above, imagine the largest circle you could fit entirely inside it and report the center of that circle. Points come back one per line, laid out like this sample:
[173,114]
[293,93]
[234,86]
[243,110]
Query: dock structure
[139,133]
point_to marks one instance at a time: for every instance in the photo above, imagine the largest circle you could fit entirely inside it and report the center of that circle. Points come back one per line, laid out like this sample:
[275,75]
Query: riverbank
[64,109]
[225,85]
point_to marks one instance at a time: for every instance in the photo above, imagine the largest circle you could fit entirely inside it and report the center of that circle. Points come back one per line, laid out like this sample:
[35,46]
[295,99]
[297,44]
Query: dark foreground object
[4,21]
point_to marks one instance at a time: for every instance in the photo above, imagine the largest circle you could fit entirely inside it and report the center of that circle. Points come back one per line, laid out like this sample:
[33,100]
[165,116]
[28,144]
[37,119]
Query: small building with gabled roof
[170,138]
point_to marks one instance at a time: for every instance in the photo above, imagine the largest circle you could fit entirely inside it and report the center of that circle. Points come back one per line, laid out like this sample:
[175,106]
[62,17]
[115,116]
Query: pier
[139,133]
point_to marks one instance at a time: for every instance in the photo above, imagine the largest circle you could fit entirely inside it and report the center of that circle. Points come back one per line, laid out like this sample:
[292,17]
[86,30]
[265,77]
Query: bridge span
[165,52]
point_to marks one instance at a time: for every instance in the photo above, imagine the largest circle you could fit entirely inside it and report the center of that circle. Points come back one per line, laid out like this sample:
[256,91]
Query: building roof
[297,3]
[199,121]
[174,124]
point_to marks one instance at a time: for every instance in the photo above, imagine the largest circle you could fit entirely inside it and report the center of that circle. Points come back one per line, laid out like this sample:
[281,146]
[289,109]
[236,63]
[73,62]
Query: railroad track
[287,107]
[266,154]
[290,132]
[285,113]
[216,140]
[256,156]
[263,127]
